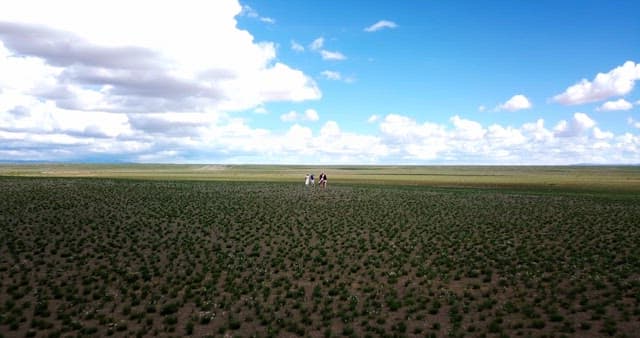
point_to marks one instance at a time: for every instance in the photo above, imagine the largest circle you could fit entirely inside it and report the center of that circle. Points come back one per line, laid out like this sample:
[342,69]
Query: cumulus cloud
[60,48]
[506,136]
[516,102]
[578,140]
[311,115]
[289,117]
[580,123]
[144,93]
[468,129]
[334,56]
[87,63]
[329,129]
[402,129]
[373,118]
[308,115]
[335,145]
[382,24]
[222,138]
[602,135]
[467,141]
[168,124]
[537,131]
[330,145]
[620,104]
[632,122]
[260,110]
[617,82]
[77,86]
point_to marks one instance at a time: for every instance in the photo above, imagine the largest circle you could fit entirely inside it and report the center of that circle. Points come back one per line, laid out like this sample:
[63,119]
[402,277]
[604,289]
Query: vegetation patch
[99,257]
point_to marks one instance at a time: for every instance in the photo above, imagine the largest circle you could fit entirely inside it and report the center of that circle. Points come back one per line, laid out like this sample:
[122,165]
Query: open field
[384,251]
[621,179]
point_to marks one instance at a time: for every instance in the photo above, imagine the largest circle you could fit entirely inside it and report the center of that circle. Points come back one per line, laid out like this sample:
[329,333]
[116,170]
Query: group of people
[309,180]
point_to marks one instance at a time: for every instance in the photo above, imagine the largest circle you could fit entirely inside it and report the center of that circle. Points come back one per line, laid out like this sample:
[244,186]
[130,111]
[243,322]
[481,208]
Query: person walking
[323,180]
[306,180]
[311,181]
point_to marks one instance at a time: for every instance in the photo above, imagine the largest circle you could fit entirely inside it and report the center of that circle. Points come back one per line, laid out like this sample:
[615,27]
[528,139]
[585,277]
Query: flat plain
[613,179]
[203,250]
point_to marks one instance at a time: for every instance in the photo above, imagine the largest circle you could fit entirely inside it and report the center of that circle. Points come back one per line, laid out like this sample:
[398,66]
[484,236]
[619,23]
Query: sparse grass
[551,179]
[171,258]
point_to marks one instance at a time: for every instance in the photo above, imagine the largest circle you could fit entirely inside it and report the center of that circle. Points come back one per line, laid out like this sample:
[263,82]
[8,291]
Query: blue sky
[418,82]
[448,58]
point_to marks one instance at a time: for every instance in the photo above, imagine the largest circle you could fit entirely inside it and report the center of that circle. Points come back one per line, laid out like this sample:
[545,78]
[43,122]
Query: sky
[320,82]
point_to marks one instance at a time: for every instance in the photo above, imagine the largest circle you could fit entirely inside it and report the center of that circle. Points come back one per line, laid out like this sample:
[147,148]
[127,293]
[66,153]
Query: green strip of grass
[602,179]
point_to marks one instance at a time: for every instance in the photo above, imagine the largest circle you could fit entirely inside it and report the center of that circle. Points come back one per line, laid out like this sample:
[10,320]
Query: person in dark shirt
[323,180]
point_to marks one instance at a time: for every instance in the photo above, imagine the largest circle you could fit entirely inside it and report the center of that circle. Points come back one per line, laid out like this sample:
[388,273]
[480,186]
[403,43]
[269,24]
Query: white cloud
[131,67]
[400,129]
[132,92]
[81,87]
[330,129]
[261,110]
[620,104]
[289,117]
[482,108]
[633,123]
[248,11]
[317,44]
[296,46]
[311,115]
[335,56]
[465,141]
[515,103]
[617,82]
[204,137]
[337,76]
[580,123]
[335,145]
[537,131]
[468,129]
[298,138]
[584,120]
[331,75]
[381,25]
[602,135]
[308,115]
[268,20]
[506,136]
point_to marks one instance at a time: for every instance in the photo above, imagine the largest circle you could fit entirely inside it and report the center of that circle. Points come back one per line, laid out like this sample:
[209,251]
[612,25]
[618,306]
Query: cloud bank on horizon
[77,87]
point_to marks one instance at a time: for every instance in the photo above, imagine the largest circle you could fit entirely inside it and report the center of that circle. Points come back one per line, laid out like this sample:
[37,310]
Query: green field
[176,250]
[620,179]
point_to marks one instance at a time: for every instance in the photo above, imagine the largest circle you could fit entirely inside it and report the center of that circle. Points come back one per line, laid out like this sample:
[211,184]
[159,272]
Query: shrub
[169,308]
[189,328]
